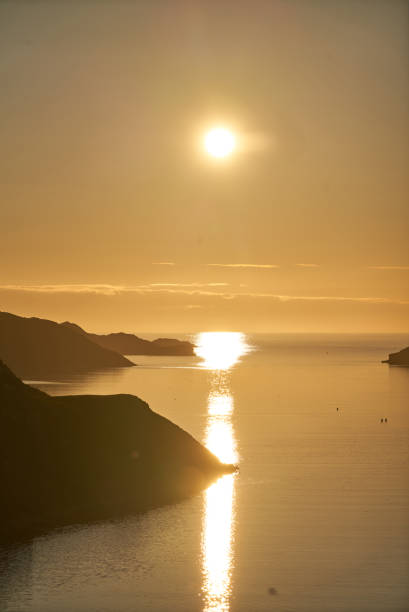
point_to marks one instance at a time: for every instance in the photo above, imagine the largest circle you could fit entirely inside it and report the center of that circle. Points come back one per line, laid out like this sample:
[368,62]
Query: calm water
[319,511]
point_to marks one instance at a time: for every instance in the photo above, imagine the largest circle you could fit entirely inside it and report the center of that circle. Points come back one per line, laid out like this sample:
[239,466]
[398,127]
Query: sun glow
[220,350]
[219,142]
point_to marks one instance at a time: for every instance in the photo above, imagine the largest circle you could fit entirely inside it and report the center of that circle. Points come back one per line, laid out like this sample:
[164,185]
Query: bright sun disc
[219,142]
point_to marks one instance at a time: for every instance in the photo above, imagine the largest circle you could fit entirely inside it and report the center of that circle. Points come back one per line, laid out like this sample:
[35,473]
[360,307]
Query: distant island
[400,358]
[71,459]
[130,344]
[41,349]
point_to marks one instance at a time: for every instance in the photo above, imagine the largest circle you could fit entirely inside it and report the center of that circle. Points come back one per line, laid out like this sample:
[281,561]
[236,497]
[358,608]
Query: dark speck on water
[273,591]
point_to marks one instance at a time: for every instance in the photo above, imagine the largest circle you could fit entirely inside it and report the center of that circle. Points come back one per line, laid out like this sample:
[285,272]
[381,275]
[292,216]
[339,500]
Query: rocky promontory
[401,358]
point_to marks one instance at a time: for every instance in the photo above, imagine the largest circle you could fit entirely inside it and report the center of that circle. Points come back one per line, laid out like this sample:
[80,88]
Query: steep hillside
[79,458]
[38,348]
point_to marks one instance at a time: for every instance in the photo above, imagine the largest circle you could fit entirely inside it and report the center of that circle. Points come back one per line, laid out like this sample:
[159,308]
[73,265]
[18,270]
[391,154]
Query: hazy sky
[103,107]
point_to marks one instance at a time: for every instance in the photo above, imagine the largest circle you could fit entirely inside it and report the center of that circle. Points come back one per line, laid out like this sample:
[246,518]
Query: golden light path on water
[220,351]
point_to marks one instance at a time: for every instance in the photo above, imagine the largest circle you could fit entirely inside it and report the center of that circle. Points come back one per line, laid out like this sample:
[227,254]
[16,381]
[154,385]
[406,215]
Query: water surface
[318,512]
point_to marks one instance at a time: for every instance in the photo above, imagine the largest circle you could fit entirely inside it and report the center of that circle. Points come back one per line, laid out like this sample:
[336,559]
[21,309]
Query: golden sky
[113,216]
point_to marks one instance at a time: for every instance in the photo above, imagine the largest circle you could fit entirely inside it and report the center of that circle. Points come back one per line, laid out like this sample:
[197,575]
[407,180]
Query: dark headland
[130,344]
[401,358]
[40,349]
[71,459]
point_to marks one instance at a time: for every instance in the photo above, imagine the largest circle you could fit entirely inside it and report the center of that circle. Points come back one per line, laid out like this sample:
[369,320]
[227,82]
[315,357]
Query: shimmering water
[318,514]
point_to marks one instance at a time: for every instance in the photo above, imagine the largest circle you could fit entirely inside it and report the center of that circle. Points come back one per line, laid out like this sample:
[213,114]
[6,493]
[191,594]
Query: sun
[219,142]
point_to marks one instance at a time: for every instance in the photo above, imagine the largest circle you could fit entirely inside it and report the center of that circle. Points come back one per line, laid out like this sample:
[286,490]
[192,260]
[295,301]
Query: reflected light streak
[219,351]
[220,442]
[220,405]
[217,544]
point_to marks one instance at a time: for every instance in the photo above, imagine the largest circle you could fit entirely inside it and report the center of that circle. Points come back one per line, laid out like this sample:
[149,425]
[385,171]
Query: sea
[315,520]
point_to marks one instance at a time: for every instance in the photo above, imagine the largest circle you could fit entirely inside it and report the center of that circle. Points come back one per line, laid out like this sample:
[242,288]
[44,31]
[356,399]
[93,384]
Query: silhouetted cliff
[38,348]
[78,458]
[401,358]
[129,344]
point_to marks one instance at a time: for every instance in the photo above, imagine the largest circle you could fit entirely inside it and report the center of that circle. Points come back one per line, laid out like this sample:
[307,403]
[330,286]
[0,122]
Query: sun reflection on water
[218,526]
[220,351]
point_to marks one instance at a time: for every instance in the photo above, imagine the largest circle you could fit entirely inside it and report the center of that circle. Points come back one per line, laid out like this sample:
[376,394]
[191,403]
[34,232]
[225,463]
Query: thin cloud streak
[112,290]
[307,265]
[163,263]
[388,267]
[242,265]
[100,289]
[189,284]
